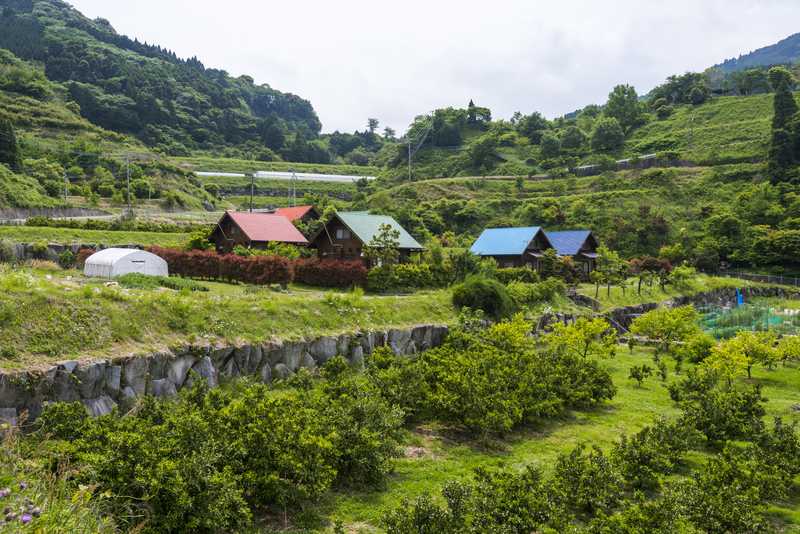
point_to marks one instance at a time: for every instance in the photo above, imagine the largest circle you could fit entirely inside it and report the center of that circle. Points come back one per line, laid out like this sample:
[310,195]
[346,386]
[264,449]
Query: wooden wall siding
[331,246]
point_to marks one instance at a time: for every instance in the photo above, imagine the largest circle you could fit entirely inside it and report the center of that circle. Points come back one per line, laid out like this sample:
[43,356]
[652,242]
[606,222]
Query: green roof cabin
[345,235]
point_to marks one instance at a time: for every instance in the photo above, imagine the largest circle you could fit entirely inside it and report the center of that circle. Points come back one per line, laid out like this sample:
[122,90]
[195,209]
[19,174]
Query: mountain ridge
[784,51]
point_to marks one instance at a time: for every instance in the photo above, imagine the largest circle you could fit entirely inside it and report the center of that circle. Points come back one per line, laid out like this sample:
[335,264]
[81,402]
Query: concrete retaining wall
[102,385]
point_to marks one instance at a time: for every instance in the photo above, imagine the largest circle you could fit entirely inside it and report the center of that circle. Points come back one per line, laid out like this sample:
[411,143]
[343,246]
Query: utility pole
[66,186]
[409,158]
[128,177]
[252,189]
[294,188]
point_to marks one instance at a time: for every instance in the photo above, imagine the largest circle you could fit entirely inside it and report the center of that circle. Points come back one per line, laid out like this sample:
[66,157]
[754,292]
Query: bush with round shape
[483,294]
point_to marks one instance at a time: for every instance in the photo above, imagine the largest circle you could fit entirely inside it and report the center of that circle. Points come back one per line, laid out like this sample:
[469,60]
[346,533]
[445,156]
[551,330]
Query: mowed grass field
[436,455]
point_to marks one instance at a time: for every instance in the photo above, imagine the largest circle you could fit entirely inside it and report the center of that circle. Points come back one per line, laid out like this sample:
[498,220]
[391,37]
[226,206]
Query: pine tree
[784,145]
[9,150]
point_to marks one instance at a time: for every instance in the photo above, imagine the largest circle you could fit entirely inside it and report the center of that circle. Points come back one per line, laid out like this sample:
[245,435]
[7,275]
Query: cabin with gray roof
[580,245]
[346,234]
[512,247]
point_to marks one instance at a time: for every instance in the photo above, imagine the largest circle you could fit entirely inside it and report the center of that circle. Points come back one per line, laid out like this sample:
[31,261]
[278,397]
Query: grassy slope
[448,456]
[616,298]
[69,316]
[729,128]
[31,234]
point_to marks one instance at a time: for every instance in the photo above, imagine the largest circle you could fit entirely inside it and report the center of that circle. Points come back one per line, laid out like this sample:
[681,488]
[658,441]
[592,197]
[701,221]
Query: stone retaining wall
[102,385]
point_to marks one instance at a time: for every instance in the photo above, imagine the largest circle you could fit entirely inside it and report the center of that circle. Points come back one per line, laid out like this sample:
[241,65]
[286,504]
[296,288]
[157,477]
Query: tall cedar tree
[782,148]
[9,150]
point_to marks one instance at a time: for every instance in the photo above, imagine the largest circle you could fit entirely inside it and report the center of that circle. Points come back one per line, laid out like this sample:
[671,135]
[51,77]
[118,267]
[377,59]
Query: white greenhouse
[113,262]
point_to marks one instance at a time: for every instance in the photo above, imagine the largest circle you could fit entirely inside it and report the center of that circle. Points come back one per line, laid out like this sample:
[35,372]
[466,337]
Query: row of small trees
[633,487]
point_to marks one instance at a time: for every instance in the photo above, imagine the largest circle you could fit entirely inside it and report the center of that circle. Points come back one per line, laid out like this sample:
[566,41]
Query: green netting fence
[724,322]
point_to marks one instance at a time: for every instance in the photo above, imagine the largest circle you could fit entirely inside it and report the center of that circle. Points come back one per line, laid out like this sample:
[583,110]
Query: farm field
[34,234]
[435,455]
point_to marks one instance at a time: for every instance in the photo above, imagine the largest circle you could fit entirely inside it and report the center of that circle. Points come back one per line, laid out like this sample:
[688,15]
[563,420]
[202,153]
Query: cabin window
[342,233]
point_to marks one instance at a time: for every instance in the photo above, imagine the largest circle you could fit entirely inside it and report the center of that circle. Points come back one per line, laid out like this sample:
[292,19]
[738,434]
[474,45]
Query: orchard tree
[607,135]
[611,269]
[639,373]
[623,105]
[739,354]
[667,326]
[584,338]
[788,349]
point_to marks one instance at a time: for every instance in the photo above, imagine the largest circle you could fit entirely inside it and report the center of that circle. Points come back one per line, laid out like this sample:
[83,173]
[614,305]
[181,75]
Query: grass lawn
[441,455]
[51,316]
[32,234]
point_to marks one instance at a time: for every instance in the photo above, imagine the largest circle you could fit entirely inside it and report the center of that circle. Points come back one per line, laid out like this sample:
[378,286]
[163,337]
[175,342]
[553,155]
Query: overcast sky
[355,59]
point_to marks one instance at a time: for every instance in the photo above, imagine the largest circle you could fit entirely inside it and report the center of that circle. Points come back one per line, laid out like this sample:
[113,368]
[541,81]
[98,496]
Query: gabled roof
[569,243]
[294,213]
[266,227]
[505,241]
[365,226]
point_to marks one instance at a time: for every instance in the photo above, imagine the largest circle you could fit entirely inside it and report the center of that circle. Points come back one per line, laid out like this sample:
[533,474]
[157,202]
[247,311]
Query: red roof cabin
[299,213]
[254,230]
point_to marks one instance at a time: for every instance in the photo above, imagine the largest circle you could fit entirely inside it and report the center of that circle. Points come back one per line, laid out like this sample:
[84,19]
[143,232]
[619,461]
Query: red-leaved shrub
[261,270]
[83,255]
[330,273]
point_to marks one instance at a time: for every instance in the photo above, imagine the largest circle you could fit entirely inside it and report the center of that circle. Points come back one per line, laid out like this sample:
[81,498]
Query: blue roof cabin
[580,245]
[512,247]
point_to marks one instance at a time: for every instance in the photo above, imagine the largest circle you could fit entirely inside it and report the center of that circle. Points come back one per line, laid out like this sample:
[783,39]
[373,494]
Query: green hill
[144,90]
[704,215]
[783,52]
[725,129]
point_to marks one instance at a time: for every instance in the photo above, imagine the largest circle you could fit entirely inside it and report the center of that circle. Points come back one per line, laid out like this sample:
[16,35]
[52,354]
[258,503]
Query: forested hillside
[127,86]
[786,51]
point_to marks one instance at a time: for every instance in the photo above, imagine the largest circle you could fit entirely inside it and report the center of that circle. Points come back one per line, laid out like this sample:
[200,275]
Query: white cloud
[356,59]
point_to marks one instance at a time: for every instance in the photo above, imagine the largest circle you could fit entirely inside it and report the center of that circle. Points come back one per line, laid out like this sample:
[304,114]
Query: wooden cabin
[303,214]
[346,234]
[254,230]
[580,245]
[512,247]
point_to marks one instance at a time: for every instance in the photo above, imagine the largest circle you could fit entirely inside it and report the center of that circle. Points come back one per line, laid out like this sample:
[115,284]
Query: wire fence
[764,278]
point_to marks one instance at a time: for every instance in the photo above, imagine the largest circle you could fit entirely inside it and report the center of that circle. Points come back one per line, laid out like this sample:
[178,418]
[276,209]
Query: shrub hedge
[330,273]
[263,270]
[259,270]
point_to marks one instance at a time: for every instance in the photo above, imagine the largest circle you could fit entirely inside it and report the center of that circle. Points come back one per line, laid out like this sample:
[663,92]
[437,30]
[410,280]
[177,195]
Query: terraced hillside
[704,213]
[725,130]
